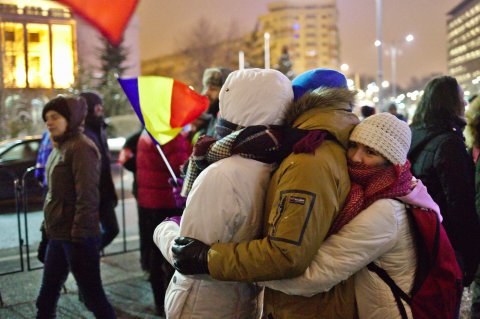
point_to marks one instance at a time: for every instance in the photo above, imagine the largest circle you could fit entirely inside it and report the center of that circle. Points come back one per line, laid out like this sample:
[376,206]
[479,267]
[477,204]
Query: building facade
[463,43]
[38,46]
[306,29]
[42,45]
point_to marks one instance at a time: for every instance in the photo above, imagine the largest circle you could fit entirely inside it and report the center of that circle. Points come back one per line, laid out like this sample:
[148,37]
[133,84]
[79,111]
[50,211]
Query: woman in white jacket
[373,226]
[226,201]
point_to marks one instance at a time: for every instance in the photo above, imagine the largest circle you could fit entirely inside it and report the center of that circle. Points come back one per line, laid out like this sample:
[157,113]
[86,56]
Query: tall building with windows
[463,42]
[306,29]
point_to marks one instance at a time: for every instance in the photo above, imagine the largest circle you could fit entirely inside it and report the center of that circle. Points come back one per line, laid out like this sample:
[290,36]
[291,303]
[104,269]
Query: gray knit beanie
[386,134]
[214,77]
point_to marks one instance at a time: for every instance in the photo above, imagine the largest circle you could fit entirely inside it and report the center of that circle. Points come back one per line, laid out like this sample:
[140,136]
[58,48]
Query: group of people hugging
[293,197]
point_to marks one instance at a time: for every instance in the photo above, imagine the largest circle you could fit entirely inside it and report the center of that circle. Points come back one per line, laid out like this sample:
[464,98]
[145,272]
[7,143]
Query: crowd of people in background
[287,204]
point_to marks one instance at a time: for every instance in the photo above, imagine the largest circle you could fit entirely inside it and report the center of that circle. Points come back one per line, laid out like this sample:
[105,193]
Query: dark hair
[392,106]
[440,103]
[367,111]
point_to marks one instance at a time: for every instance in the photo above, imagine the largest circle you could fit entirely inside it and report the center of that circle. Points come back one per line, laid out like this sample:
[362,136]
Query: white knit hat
[385,134]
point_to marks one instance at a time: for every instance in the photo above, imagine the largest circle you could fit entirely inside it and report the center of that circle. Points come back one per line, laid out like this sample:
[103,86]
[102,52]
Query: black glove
[190,256]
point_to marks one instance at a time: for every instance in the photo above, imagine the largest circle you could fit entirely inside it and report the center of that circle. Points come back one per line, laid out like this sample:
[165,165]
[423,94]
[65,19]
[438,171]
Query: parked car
[16,156]
[19,154]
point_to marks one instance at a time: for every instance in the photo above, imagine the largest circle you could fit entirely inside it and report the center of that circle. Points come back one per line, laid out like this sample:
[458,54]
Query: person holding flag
[164,106]
[155,203]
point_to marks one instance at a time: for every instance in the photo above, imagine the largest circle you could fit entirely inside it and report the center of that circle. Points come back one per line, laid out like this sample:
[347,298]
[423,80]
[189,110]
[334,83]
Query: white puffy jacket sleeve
[225,205]
[164,236]
[368,236]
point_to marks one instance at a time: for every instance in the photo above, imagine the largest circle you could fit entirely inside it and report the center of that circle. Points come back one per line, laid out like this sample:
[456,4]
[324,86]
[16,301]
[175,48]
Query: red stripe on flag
[186,105]
[109,17]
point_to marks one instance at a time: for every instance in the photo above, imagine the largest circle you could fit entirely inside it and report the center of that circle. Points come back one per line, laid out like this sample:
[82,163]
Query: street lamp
[393,57]
[241,60]
[378,44]
[266,37]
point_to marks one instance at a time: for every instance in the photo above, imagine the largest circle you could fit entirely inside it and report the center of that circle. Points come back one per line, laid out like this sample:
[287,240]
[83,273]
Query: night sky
[164,22]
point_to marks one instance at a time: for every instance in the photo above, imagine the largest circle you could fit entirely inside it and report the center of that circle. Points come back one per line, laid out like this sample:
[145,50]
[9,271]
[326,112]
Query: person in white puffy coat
[373,226]
[226,201]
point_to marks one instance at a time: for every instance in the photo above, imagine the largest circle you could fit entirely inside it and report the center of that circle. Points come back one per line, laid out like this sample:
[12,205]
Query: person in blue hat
[314,79]
[305,194]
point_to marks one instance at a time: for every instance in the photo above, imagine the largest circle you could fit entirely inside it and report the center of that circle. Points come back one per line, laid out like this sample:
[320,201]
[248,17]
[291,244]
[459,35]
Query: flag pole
[168,164]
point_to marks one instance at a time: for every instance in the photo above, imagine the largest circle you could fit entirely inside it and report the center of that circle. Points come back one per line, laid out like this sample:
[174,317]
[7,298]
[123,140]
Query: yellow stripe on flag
[155,94]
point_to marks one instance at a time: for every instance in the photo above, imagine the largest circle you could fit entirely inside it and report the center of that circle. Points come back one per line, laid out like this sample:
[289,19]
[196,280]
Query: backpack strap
[397,292]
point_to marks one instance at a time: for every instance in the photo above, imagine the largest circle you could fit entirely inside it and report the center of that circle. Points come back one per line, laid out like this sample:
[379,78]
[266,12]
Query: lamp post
[241,60]
[266,37]
[393,57]
[393,62]
[378,44]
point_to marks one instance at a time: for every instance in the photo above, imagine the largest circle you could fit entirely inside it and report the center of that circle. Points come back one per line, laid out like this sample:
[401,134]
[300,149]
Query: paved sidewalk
[125,284]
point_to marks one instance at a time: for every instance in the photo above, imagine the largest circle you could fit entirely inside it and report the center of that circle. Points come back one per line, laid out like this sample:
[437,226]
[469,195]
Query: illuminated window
[46,60]
[14,57]
[62,55]
[38,52]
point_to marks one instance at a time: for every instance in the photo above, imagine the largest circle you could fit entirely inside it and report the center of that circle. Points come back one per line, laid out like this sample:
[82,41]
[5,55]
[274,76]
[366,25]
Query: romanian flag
[110,17]
[163,105]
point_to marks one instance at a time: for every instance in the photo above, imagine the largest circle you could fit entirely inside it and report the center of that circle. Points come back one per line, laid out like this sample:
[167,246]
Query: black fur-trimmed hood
[325,108]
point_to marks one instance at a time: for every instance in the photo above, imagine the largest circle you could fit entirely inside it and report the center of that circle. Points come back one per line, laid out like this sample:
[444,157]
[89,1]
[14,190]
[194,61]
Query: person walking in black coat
[439,158]
[95,129]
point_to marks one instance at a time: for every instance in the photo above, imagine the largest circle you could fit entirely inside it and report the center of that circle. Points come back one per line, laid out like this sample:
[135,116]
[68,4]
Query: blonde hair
[472,131]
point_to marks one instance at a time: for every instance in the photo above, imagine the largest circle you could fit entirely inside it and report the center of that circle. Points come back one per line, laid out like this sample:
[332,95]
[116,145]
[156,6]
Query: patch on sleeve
[290,220]
[297,200]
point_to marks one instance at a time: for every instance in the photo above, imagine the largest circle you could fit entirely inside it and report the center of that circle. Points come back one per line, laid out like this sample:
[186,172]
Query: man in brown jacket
[306,193]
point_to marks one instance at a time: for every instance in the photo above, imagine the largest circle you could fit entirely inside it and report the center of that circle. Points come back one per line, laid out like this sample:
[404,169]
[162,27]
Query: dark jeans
[145,241]
[148,219]
[160,270]
[83,260]
[108,223]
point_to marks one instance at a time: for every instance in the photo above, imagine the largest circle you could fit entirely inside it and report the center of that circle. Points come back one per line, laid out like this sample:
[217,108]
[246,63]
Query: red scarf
[369,184]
